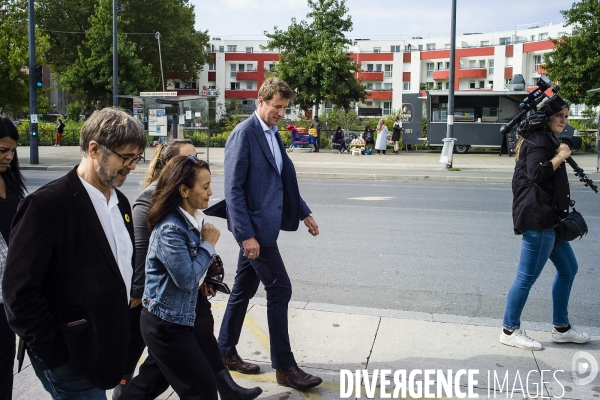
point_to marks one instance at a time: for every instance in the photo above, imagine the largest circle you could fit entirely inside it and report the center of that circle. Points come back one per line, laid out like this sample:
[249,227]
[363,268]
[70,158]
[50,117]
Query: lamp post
[162,78]
[115,55]
[597,135]
[446,156]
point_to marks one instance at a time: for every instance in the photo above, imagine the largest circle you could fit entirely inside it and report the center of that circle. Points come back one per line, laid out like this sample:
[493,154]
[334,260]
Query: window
[481,84]
[407,48]
[420,47]
[221,49]
[378,86]
[440,65]
[376,49]
[235,85]
[241,67]
[537,60]
[387,107]
[472,85]
[484,43]
[447,85]
[249,67]
[231,48]
[369,103]
[406,86]
[447,46]
[491,84]
[388,71]
[177,84]
[543,36]
[504,41]
[387,86]
[395,49]
[447,64]
[378,67]
[430,46]
[369,86]
[249,49]
[369,67]
[509,61]
[288,111]
[328,106]
[429,85]
[272,67]
[212,66]
[533,38]
[429,70]
[508,81]
[472,64]
[490,67]
[481,63]
[248,85]
[233,73]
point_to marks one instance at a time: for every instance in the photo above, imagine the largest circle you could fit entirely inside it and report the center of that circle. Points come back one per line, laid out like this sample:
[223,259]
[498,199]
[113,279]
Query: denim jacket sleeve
[186,266]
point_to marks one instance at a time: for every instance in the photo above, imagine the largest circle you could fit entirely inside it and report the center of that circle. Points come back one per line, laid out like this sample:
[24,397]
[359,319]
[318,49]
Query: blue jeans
[269,269]
[64,383]
[537,247]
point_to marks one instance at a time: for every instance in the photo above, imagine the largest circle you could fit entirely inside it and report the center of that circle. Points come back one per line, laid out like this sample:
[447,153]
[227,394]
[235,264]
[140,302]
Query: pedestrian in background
[316,124]
[12,191]
[541,197]
[60,128]
[338,137]
[152,383]
[69,299]
[261,190]
[181,249]
[367,136]
[397,128]
[381,141]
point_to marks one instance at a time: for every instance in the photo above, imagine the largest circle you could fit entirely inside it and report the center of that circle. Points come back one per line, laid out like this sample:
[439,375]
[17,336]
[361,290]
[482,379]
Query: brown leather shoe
[296,378]
[236,363]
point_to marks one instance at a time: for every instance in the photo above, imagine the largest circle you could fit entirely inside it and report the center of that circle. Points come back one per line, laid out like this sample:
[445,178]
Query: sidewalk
[407,165]
[328,338]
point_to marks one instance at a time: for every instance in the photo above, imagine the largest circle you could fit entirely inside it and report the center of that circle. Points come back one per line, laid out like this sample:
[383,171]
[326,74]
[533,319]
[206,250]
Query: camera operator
[541,198]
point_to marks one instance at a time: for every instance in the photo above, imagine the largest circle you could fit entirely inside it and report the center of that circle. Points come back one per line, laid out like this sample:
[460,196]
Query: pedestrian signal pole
[34,83]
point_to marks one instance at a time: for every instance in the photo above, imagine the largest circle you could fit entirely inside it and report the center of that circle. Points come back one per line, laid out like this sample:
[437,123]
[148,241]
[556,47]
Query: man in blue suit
[261,190]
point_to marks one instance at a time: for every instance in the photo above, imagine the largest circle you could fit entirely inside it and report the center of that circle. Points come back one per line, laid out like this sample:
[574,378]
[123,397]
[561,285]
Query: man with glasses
[68,274]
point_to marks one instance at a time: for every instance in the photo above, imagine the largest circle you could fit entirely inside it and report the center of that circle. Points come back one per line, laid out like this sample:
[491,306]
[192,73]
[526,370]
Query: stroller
[300,139]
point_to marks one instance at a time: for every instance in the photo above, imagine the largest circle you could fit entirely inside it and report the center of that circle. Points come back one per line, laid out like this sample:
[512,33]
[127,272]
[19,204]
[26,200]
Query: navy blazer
[260,201]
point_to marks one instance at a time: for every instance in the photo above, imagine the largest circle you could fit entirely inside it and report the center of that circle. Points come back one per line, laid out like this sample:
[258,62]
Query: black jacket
[61,269]
[534,208]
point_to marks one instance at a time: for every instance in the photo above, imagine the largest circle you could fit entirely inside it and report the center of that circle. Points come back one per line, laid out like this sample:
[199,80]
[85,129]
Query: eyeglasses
[127,161]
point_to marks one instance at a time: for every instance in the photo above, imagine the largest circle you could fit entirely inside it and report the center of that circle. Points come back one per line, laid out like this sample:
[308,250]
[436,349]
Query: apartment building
[392,67]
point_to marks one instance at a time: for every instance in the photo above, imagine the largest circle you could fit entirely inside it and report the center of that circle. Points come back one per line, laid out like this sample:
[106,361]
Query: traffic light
[39,76]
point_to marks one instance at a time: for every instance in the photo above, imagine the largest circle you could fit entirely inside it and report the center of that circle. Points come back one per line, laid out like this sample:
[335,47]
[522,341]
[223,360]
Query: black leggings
[7,356]
[155,374]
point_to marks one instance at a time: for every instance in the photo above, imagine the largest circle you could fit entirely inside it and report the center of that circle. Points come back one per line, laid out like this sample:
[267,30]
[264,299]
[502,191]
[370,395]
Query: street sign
[34,118]
[157,94]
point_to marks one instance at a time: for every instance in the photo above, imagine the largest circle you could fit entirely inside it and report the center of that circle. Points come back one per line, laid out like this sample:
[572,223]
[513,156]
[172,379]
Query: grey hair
[112,128]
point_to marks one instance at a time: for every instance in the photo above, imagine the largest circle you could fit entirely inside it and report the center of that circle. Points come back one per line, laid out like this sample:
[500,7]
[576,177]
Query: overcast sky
[377,18]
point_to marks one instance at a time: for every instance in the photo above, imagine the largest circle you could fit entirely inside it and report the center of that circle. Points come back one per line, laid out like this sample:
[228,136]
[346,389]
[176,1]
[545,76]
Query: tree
[14,56]
[313,58]
[91,74]
[575,60]
[182,47]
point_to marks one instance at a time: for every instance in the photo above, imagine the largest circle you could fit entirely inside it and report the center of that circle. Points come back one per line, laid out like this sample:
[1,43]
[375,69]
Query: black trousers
[269,269]
[152,382]
[7,356]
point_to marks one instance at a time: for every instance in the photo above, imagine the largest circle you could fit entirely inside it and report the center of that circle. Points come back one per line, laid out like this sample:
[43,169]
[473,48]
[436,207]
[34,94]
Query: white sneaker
[520,339]
[572,335]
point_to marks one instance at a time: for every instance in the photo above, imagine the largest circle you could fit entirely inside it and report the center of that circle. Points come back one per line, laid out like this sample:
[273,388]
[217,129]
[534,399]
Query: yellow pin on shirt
[127,219]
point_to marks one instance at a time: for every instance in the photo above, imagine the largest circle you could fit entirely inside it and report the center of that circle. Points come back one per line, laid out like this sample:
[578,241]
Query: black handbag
[572,226]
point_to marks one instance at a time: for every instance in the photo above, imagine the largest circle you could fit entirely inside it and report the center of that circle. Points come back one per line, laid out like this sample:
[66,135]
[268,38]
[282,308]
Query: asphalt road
[418,246]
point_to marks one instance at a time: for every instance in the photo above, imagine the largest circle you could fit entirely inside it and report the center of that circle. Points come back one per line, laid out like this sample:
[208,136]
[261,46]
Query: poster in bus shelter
[157,122]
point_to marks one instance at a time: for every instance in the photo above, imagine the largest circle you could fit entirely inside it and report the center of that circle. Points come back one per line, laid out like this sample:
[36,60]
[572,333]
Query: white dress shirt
[114,229]
[272,141]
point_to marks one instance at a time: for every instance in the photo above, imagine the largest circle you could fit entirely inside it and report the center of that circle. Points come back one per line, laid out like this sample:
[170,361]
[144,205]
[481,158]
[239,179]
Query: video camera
[533,101]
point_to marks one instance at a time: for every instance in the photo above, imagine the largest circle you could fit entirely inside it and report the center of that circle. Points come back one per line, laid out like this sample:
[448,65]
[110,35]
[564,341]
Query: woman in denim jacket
[180,252]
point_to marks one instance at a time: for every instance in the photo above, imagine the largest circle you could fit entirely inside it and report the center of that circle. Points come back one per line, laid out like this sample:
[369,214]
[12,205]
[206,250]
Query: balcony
[379,95]
[212,76]
[471,73]
[441,74]
[241,94]
[371,76]
[247,75]
[540,69]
